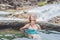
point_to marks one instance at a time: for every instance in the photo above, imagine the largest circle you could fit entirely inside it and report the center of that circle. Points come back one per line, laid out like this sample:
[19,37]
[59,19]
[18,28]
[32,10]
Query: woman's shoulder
[38,25]
[27,24]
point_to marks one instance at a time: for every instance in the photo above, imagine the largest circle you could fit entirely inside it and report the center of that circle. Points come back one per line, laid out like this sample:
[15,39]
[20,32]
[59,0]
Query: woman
[32,28]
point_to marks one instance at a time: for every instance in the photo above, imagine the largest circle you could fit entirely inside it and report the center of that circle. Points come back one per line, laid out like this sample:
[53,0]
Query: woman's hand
[23,28]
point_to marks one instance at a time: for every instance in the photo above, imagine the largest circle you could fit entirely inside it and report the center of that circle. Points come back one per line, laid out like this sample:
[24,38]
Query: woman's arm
[26,26]
[39,28]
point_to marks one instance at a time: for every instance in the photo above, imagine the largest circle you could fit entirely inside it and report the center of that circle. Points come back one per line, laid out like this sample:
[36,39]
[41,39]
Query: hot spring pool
[45,35]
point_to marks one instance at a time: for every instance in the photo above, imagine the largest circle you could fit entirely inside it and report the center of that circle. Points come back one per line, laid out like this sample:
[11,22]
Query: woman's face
[33,19]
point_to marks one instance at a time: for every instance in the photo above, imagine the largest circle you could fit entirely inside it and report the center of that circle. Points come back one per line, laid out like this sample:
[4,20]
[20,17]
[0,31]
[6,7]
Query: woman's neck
[32,25]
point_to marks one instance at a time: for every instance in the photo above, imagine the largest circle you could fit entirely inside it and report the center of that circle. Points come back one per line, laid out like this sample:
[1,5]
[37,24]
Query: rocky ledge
[16,24]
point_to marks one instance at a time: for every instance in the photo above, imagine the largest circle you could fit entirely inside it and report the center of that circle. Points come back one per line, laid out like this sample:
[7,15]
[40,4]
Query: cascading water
[46,12]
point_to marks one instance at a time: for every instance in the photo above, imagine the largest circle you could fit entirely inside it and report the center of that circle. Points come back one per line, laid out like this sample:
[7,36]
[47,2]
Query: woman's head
[32,18]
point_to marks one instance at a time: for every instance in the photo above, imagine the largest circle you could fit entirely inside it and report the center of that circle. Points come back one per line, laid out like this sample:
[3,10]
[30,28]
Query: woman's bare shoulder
[27,25]
[38,25]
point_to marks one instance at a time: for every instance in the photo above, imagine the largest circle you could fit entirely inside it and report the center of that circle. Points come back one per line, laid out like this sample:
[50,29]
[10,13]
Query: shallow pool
[45,35]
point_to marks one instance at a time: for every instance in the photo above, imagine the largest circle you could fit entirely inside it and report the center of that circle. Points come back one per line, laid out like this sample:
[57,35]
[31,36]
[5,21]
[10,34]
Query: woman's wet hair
[30,18]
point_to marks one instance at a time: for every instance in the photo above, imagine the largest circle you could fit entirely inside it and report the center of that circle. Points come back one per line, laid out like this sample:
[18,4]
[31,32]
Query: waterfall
[46,12]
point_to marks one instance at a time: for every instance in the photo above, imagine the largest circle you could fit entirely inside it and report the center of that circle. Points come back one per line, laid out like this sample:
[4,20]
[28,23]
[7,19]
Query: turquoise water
[45,35]
[53,35]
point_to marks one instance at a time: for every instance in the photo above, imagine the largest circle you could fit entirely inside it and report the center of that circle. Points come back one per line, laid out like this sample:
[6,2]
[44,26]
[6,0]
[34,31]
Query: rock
[22,39]
[55,20]
[9,35]
[17,24]
[1,35]
[4,39]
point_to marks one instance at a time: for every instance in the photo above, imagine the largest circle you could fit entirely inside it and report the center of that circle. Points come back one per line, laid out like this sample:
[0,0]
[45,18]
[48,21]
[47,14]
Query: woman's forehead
[33,16]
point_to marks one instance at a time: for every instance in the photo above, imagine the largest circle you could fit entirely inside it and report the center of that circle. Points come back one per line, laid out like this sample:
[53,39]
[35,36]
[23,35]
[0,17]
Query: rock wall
[18,24]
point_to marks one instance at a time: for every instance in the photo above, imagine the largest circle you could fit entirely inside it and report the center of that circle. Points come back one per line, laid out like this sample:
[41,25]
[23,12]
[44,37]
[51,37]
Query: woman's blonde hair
[30,17]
